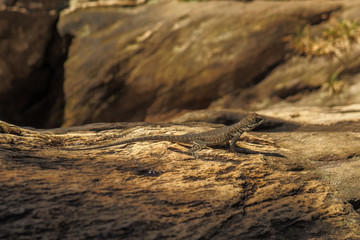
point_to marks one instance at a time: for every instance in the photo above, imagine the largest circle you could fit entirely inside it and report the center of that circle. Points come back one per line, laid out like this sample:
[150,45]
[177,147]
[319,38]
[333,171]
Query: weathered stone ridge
[156,60]
[285,189]
[160,59]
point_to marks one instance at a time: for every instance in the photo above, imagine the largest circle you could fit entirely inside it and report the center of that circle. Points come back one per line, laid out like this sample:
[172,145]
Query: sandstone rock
[78,4]
[40,5]
[311,80]
[157,61]
[153,62]
[292,186]
[31,64]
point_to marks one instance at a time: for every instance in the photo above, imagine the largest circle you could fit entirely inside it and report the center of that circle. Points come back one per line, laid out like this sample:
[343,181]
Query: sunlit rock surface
[299,182]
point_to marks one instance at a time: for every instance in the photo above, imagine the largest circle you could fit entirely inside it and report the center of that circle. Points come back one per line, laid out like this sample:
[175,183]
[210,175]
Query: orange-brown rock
[154,61]
[157,60]
[288,188]
[31,63]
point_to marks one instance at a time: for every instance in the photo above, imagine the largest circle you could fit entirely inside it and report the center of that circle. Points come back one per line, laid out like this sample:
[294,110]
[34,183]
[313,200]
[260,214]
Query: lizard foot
[193,153]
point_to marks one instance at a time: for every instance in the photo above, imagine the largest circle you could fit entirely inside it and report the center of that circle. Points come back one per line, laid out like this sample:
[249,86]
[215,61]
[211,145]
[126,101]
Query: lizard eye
[258,120]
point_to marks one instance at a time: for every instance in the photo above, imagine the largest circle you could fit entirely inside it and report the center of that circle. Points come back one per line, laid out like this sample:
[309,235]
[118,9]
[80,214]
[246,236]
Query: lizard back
[212,137]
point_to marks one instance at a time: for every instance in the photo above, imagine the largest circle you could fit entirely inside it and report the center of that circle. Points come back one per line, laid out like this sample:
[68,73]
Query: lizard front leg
[233,141]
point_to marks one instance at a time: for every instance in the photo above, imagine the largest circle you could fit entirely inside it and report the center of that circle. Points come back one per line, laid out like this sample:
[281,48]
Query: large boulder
[154,61]
[299,180]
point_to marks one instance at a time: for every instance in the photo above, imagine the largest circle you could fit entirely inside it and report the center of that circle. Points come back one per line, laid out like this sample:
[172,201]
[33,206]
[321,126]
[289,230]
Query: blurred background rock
[65,63]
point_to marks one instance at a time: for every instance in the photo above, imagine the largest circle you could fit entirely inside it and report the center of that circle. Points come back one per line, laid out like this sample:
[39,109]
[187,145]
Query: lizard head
[253,120]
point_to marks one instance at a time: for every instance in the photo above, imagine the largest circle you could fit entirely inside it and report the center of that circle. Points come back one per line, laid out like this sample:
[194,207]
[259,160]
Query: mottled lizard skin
[230,134]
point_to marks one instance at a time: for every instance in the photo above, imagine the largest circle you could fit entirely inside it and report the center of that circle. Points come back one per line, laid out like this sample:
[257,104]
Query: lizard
[229,134]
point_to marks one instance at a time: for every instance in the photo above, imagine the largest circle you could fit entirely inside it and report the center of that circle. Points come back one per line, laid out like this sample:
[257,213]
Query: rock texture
[78,4]
[299,182]
[324,72]
[154,61]
[35,5]
[31,63]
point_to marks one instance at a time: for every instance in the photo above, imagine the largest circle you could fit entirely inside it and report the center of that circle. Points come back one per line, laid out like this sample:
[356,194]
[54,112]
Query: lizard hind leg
[197,145]
[233,144]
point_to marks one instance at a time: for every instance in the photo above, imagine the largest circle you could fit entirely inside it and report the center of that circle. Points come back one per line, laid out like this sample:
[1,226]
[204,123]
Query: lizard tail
[139,139]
